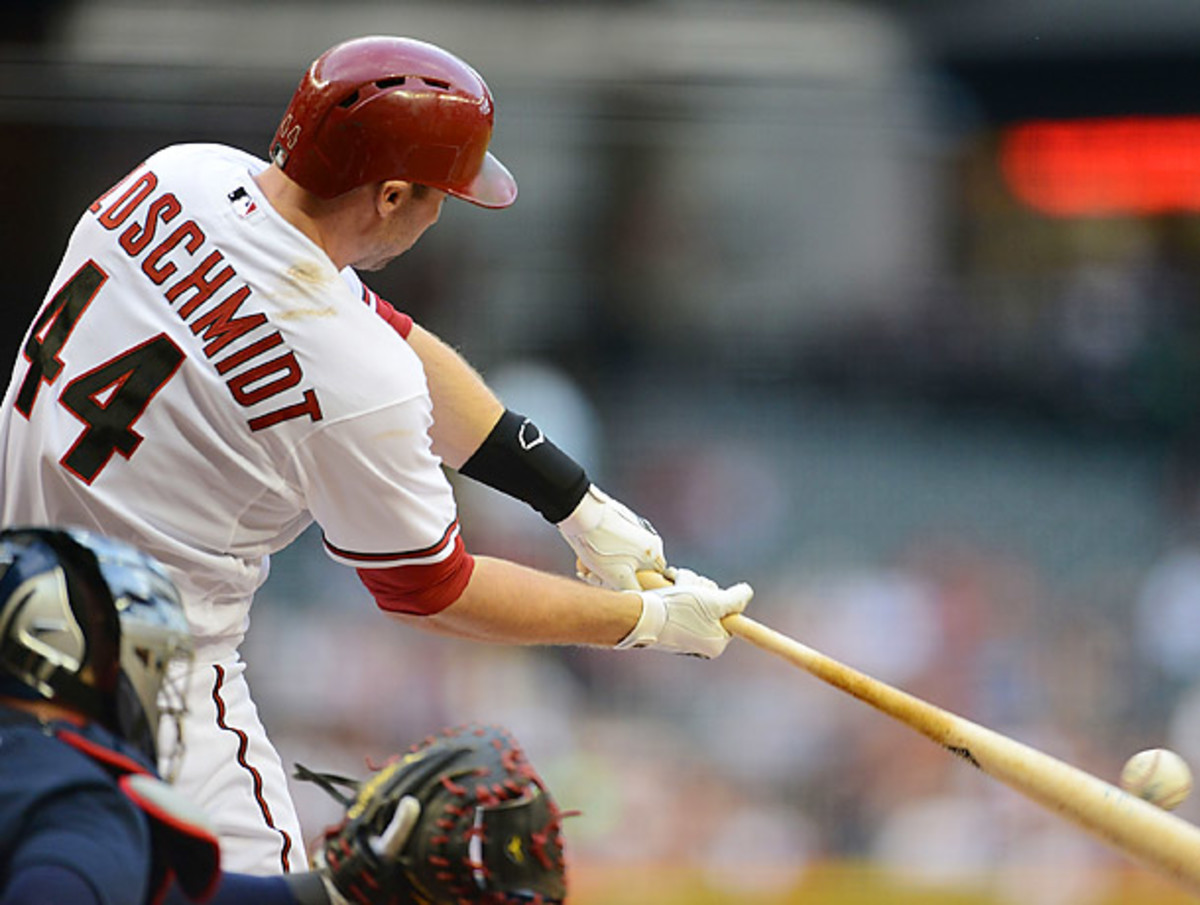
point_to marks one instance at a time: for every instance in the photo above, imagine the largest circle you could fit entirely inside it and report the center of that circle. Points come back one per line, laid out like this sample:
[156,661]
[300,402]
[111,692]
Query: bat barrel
[1159,840]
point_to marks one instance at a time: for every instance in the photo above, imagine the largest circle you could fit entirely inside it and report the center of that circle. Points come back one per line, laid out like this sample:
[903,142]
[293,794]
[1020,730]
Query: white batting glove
[685,617]
[611,542]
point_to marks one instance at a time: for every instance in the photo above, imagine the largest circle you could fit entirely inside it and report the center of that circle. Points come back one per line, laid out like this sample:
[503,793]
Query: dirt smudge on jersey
[310,272]
[305,274]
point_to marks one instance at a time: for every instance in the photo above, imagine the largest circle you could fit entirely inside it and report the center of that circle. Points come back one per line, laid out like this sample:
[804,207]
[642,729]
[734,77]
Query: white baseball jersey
[202,382]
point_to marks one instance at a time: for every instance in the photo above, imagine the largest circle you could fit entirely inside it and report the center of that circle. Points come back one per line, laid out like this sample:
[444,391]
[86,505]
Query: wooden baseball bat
[1161,841]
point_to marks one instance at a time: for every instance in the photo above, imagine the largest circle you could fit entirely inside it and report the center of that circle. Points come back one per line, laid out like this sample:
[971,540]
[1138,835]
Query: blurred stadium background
[889,308]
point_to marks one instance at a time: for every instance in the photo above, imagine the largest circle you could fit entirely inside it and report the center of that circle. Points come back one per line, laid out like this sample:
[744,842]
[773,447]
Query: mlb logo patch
[242,203]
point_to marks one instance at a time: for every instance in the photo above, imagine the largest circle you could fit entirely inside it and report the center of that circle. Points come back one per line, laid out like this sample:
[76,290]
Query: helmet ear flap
[95,610]
[130,717]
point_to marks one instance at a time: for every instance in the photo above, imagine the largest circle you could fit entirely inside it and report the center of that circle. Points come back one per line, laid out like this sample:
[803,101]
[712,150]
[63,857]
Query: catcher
[88,629]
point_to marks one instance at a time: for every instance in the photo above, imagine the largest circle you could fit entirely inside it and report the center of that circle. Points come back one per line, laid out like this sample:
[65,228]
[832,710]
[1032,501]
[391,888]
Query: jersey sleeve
[386,508]
[421,589]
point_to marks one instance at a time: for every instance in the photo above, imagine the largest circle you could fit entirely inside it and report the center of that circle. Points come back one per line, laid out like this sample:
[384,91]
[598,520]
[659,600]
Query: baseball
[1158,775]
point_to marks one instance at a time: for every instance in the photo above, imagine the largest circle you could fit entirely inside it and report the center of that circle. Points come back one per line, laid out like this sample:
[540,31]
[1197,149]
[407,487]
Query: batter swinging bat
[1161,841]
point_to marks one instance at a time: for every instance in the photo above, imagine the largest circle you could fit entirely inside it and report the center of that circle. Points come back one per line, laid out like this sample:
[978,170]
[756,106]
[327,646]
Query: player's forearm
[464,409]
[508,603]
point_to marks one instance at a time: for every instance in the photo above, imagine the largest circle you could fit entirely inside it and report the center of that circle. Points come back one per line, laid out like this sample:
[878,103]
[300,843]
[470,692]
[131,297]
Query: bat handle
[650,580]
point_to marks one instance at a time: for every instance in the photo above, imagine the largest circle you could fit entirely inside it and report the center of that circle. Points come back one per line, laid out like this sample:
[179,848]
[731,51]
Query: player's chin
[373,265]
[379,261]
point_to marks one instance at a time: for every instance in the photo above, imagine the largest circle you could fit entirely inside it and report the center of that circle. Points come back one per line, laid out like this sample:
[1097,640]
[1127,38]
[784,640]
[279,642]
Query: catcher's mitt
[487,830]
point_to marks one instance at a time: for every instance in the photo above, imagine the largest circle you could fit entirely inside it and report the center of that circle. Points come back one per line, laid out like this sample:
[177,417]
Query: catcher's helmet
[94,624]
[379,108]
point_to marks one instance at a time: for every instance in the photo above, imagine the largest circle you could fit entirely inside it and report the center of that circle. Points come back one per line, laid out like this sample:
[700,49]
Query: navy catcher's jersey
[60,808]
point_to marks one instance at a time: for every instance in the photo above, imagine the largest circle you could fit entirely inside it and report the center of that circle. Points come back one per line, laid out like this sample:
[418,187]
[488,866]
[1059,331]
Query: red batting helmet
[392,108]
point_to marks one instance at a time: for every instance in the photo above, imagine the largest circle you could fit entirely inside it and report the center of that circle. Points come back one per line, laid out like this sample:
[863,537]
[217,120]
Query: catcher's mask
[383,107]
[94,624]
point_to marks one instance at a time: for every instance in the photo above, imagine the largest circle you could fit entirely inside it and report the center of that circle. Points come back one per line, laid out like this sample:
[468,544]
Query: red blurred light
[1097,167]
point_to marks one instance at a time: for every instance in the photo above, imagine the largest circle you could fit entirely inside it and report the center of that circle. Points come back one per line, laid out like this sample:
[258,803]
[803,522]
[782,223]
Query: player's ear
[391,194]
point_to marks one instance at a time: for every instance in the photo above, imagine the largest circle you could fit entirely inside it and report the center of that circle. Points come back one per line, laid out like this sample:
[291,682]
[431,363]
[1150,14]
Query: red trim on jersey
[400,321]
[106,757]
[421,590]
[255,776]
[449,537]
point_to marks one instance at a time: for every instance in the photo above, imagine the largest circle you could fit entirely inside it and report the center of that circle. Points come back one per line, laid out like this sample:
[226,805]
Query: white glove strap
[649,625]
[587,515]
[611,541]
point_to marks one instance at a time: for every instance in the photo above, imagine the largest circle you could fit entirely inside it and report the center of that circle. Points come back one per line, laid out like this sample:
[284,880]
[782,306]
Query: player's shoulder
[36,752]
[205,154]
[200,171]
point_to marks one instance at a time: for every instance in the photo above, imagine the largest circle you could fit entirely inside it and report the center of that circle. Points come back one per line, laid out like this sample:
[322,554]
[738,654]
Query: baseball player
[88,627]
[208,375]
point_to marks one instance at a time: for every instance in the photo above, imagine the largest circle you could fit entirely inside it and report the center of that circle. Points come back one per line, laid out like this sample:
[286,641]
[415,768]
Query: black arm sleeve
[518,460]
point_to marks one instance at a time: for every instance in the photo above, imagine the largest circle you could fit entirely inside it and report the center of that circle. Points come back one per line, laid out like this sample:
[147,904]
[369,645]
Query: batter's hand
[611,542]
[685,617]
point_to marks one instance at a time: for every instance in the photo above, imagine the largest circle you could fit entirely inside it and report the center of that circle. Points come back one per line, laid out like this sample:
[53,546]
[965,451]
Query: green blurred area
[849,883]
